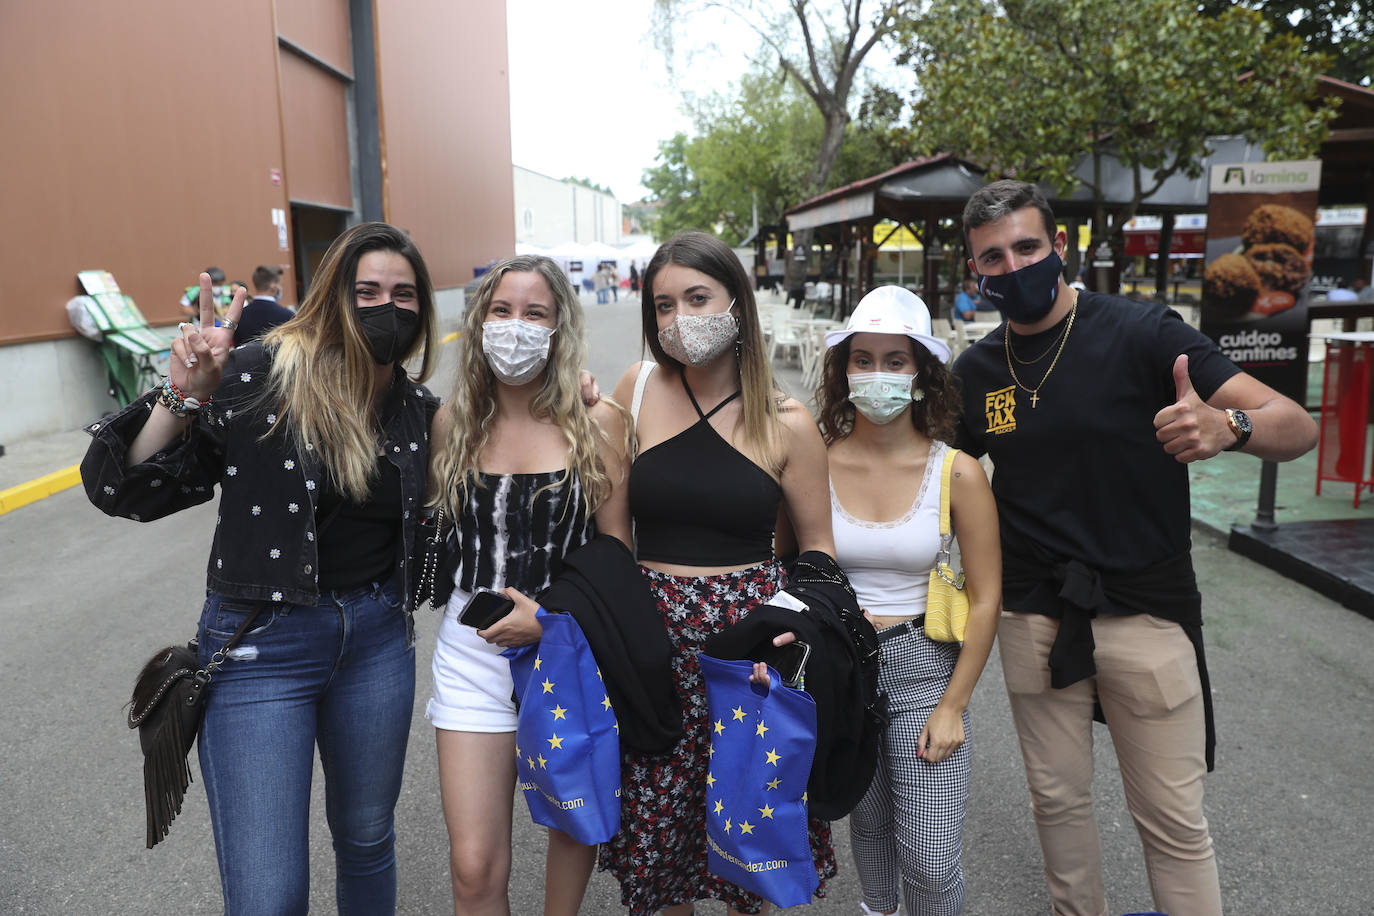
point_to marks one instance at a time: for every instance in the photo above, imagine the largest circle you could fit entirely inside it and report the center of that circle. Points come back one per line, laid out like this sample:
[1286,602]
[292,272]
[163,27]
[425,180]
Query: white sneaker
[866,910]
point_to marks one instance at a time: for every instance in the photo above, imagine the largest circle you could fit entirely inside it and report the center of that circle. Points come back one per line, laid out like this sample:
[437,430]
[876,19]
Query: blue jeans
[340,674]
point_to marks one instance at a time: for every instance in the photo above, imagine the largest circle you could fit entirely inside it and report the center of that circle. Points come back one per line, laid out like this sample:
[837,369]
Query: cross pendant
[1034,398]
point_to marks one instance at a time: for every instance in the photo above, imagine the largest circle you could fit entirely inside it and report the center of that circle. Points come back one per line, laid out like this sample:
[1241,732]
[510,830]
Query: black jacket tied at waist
[1074,593]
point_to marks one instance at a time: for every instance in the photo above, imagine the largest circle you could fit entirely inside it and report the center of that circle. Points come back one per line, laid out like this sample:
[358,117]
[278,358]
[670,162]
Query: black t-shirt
[358,540]
[1081,474]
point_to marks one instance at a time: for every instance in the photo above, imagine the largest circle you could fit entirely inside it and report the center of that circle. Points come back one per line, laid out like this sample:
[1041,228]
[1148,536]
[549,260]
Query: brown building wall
[124,153]
[146,138]
[320,27]
[315,111]
[446,131]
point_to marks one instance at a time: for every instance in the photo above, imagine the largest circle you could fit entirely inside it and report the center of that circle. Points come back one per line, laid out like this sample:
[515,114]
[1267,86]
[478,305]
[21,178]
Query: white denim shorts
[473,690]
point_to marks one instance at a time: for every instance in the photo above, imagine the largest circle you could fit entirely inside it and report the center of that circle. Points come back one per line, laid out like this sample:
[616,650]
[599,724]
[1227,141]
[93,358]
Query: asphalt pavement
[84,599]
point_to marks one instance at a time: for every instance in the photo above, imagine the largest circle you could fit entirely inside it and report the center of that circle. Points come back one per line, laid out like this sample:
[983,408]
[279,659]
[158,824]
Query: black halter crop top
[697,501]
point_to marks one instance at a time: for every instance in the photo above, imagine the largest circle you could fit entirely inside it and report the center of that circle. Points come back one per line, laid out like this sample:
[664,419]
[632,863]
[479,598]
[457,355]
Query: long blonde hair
[322,376]
[759,395]
[455,462]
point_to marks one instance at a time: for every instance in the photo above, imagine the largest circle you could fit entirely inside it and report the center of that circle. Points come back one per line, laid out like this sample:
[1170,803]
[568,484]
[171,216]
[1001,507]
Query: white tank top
[889,563]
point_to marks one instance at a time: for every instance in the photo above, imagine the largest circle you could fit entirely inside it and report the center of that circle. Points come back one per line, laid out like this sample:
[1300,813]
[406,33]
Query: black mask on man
[1026,295]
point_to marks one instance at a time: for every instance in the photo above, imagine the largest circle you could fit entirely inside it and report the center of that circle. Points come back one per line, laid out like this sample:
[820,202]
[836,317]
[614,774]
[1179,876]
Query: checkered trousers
[909,825]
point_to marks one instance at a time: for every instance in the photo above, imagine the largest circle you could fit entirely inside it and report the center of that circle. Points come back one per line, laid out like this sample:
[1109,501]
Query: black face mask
[1026,295]
[390,330]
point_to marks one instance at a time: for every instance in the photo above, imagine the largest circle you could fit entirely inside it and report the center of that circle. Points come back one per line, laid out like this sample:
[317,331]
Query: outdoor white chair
[813,355]
[785,338]
[825,302]
[766,313]
[958,338]
[941,329]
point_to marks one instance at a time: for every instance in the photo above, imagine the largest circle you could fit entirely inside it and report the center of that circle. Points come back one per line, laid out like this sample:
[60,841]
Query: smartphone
[790,661]
[485,607]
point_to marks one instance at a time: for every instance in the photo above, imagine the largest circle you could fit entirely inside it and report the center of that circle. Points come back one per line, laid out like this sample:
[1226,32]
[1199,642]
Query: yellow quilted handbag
[946,600]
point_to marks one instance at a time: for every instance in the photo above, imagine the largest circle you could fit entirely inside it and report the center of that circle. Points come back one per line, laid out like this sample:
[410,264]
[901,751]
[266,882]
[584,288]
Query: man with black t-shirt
[1090,407]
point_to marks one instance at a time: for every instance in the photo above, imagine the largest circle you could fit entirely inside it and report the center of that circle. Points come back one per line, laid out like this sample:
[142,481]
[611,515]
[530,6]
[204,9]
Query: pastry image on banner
[1261,240]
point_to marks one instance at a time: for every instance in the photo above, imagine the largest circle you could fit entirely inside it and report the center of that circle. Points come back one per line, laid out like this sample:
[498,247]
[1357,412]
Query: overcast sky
[589,94]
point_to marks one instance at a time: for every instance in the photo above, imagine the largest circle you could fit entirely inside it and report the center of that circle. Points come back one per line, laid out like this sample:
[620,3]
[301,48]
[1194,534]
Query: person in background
[967,302]
[220,295]
[634,278]
[720,451]
[529,473]
[1363,291]
[263,312]
[600,283]
[1091,406]
[319,442]
[613,281]
[888,408]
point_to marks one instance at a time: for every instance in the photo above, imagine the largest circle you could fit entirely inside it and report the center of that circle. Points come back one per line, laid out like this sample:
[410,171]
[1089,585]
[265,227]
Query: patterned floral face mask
[882,396]
[695,340]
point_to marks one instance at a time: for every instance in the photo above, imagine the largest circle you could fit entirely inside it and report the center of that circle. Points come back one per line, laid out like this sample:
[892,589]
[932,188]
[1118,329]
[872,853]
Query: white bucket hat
[892,310]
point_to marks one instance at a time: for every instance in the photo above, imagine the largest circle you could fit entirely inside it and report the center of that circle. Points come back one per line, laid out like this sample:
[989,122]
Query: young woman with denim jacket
[319,442]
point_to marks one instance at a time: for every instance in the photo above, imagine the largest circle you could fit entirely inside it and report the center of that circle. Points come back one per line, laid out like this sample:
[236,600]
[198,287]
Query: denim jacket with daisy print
[264,546]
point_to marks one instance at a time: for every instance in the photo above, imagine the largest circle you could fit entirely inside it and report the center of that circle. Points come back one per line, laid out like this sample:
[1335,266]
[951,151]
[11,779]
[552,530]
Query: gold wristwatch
[1239,422]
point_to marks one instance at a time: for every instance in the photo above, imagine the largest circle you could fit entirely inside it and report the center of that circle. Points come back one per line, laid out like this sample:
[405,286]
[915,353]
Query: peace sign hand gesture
[199,354]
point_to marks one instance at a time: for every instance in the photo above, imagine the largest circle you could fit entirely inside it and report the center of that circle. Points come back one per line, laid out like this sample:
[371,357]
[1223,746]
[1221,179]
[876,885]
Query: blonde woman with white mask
[527,472]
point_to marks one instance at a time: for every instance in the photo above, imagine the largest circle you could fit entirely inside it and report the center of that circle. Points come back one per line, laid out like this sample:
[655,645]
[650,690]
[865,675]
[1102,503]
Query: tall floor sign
[1260,244]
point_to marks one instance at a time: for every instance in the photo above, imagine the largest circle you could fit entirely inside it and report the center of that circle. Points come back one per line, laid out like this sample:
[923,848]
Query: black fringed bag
[167,705]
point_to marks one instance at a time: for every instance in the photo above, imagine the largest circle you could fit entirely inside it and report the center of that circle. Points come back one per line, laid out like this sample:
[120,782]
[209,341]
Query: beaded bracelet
[178,403]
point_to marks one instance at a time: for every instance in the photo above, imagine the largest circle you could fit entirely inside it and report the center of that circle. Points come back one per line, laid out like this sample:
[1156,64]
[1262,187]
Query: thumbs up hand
[1189,429]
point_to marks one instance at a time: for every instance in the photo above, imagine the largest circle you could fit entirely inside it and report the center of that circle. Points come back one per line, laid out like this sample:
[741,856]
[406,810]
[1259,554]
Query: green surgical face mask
[882,396]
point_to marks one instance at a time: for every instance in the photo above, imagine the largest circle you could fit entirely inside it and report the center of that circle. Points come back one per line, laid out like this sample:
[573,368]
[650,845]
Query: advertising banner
[1260,246]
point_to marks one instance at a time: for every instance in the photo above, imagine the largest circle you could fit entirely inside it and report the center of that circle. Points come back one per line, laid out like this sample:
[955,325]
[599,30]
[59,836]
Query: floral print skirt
[659,855]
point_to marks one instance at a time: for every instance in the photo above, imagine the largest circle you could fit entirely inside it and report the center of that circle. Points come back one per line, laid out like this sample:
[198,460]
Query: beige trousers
[1147,683]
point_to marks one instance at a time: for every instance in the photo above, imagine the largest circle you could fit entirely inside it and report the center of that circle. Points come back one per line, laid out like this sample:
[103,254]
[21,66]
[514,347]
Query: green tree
[1030,87]
[752,151]
[1343,29]
[819,46]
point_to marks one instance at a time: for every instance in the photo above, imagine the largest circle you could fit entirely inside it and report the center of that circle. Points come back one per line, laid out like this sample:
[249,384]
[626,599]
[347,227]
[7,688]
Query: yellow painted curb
[34,490]
[57,481]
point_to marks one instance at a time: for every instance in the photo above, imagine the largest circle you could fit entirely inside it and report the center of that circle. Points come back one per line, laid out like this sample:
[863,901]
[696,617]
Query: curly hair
[935,416]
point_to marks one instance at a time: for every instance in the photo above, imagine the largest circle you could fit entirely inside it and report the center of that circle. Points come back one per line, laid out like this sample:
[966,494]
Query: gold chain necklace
[1035,392]
[1046,352]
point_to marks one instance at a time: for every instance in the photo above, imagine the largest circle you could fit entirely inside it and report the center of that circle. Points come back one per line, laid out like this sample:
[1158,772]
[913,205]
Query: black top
[1081,475]
[265,545]
[697,501]
[260,315]
[358,539]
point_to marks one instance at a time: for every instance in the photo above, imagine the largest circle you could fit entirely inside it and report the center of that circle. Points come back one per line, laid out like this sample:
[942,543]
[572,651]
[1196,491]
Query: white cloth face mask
[882,396]
[695,340]
[517,350]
